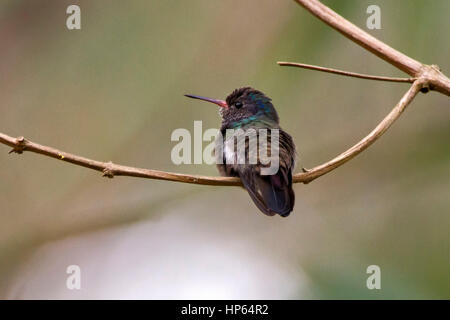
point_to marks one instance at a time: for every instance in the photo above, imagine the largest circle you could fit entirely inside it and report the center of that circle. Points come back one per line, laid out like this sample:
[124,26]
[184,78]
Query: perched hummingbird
[246,109]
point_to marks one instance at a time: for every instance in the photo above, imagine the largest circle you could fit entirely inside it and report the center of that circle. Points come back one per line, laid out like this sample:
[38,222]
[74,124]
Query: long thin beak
[220,103]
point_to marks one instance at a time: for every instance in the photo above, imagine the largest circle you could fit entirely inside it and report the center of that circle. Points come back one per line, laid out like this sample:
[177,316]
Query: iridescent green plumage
[249,110]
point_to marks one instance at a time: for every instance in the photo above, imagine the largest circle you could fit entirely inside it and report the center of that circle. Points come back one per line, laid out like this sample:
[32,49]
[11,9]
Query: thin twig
[110,169]
[345,73]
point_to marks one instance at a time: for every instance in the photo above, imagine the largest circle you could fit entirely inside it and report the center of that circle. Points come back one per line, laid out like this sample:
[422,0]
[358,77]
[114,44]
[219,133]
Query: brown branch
[110,169]
[435,80]
[345,73]
[427,77]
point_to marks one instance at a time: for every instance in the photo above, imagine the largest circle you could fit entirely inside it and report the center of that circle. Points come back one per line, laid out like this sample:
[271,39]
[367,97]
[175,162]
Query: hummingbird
[251,110]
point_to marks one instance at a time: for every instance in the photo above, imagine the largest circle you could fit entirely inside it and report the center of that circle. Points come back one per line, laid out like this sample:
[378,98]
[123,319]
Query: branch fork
[108,171]
[19,146]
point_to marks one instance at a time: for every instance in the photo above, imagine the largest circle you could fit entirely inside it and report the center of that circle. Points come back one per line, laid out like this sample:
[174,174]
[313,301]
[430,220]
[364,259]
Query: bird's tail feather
[272,194]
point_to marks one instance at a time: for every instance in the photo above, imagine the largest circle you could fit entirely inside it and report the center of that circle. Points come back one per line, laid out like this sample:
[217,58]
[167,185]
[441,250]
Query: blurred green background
[114,91]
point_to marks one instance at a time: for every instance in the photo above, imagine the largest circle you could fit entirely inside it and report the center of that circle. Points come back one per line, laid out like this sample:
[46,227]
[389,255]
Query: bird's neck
[250,121]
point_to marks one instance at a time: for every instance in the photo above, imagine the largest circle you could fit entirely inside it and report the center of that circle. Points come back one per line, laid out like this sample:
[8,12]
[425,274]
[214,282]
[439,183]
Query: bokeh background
[114,91]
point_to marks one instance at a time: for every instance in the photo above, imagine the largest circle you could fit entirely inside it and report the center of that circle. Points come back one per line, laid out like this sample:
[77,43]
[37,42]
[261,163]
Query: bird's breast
[240,146]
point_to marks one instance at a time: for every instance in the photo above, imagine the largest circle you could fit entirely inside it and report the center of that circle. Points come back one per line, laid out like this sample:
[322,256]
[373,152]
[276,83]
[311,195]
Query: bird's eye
[238,104]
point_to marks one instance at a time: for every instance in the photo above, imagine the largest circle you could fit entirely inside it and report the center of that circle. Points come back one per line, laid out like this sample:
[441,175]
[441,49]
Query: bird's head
[242,106]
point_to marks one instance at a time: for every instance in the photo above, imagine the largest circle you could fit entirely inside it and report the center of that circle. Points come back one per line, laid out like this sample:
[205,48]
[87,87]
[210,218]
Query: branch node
[108,171]
[19,147]
[436,67]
